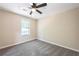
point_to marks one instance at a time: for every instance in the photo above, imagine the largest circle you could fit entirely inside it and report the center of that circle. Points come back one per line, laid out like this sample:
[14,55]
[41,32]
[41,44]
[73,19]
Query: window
[25,27]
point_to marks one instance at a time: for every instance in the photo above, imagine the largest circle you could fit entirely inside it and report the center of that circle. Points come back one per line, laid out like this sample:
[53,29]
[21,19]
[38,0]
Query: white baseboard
[59,45]
[41,40]
[15,44]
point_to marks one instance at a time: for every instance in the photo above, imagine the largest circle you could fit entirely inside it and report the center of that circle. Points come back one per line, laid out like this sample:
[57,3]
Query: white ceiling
[51,8]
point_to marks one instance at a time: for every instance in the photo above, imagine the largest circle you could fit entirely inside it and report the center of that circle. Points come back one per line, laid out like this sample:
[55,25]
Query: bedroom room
[39,29]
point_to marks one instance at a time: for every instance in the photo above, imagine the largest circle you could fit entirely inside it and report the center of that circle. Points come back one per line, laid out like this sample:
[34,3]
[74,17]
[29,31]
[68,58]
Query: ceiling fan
[34,7]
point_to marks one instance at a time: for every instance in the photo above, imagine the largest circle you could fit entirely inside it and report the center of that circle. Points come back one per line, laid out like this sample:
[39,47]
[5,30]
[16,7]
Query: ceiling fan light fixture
[33,9]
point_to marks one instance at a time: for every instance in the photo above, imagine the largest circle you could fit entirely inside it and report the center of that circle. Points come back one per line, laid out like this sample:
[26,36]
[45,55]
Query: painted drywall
[61,29]
[10,29]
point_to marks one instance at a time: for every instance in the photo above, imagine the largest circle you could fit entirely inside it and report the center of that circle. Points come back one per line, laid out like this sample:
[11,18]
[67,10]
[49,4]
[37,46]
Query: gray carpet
[37,48]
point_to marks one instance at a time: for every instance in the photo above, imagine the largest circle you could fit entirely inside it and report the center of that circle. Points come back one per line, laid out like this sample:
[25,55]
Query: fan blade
[30,12]
[39,11]
[34,4]
[41,5]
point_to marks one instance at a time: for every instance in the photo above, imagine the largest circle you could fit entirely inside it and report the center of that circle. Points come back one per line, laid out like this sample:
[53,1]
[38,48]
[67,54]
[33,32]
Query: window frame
[25,27]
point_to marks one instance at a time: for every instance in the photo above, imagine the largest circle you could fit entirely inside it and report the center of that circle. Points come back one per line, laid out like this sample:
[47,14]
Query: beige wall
[61,29]
[10,29]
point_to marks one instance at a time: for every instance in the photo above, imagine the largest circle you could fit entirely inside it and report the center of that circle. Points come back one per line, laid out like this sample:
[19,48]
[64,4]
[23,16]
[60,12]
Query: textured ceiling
[51,8]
